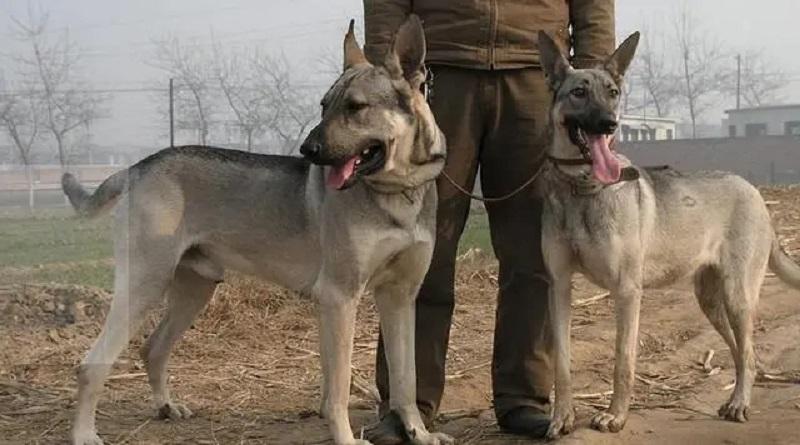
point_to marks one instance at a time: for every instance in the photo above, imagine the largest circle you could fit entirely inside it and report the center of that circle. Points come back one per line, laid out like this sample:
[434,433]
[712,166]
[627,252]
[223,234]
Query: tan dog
[362,222]
[627,228]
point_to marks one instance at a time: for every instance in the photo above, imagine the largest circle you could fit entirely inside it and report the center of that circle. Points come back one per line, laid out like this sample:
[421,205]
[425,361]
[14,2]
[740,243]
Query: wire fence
[39,186]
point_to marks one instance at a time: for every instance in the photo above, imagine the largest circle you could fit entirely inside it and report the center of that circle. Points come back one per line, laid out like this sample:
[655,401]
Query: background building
[636,128]
[774,120]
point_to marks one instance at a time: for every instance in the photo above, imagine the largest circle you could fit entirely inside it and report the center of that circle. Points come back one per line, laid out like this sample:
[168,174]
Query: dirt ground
[249,368]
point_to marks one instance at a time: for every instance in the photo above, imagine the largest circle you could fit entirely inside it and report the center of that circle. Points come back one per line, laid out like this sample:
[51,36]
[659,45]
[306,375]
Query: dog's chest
[585,221]
[594,228]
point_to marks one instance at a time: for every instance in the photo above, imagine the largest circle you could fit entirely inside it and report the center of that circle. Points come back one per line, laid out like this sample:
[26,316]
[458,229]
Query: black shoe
[387,431]
[525,420]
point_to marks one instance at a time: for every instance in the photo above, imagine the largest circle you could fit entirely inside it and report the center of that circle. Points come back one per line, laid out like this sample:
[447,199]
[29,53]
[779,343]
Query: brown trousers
[496,120]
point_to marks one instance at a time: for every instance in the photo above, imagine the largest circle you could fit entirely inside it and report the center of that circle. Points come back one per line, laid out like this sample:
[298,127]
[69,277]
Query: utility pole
[738,81]
[172,113]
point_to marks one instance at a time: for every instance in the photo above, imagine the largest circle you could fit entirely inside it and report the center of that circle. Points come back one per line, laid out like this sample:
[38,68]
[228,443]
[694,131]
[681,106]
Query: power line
[141,90]
[111,24]
[194,40]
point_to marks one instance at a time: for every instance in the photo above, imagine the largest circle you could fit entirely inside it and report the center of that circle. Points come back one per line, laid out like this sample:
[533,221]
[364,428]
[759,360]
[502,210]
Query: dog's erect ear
[407,56]
[353,55]
[619,62]
[553,61]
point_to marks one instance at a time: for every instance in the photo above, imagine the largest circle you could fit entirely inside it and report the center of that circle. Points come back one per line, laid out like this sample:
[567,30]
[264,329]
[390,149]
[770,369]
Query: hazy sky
[117,35]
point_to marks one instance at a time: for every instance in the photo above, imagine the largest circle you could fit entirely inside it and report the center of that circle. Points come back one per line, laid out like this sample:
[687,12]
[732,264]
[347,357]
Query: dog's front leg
[627,301]
[563,418]
[337,317]
[395,303]
[558,260]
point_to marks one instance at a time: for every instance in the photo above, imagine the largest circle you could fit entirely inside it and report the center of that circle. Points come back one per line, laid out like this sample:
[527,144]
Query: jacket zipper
[493,16]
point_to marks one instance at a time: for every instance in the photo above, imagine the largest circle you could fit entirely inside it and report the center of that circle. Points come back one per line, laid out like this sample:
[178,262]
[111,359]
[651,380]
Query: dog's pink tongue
[605,165]
[339,174]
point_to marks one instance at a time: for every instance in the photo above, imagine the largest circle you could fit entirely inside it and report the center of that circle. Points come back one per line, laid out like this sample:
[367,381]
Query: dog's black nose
[310,149]
[608,126]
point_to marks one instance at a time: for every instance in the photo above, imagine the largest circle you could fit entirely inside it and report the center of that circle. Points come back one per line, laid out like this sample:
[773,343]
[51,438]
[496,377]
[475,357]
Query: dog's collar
[570,161]
[411,195]
[585,185]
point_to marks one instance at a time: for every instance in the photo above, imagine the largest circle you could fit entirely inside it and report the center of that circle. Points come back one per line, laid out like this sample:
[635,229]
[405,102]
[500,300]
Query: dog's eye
[355,106]
[579,92]
[614,93]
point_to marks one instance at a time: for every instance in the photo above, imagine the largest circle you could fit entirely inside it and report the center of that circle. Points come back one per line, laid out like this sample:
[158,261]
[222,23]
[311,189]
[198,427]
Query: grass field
[56,246]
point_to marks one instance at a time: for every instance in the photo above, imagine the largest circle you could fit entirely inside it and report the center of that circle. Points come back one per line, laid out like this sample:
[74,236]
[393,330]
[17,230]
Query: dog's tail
[783,266]
[91,205]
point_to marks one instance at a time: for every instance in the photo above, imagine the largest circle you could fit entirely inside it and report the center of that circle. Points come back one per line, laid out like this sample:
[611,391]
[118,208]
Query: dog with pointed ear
[557,67]
[407,57]
[405,62]
[353,55]
[585,109]
[376,125]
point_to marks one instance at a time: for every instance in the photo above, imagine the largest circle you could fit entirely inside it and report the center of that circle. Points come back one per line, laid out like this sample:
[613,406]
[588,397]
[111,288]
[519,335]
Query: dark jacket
[495,34]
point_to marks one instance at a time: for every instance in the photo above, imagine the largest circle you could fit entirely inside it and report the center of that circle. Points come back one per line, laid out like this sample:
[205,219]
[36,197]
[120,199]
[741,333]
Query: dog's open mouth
[369,161]
[598,148]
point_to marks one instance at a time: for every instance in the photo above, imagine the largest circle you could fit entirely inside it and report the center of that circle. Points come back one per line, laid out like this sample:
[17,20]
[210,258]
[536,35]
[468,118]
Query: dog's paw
[86,438]
[173,411]
[735,411]
[563,422]
[433,439]
[422,437]
[608,422]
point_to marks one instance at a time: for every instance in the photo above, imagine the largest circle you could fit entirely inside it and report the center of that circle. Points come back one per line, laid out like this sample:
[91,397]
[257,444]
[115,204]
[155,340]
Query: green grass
[476,233]
[56,246]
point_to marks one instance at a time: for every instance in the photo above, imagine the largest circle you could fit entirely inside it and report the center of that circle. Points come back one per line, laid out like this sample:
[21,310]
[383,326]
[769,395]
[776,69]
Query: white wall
[775,118]
[661,127]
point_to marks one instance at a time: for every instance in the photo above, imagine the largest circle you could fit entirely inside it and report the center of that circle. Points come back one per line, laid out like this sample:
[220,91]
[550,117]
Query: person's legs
[514,151]
[455,105]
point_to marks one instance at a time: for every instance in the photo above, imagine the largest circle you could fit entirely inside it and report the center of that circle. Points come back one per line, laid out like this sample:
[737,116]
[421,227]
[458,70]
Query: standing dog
[627,228]
[360,217]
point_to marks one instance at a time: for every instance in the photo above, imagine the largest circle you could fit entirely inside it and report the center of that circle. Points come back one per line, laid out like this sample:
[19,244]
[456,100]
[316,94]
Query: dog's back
[221,203]
[701,218]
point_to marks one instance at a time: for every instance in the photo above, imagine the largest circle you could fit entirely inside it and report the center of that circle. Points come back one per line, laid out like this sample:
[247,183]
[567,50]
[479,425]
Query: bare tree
[293,104]
[20,118]
[329,63]
[652,73]
[761,80]
[191,67]
[259,91]
[701,71]
[51,67]
[629,104]
[234,74]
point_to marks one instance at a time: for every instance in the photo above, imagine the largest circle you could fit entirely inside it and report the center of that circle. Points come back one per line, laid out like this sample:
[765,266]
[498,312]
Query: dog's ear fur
[618,63]
[353,54]
[406,59]
[553,61]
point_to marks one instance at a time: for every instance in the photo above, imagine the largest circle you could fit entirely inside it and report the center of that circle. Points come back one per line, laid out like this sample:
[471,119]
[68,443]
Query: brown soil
[250,372]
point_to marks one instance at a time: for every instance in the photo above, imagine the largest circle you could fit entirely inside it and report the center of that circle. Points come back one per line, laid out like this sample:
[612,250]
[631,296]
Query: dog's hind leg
[740,303]
[140,281]
[187,295]
[710,292]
